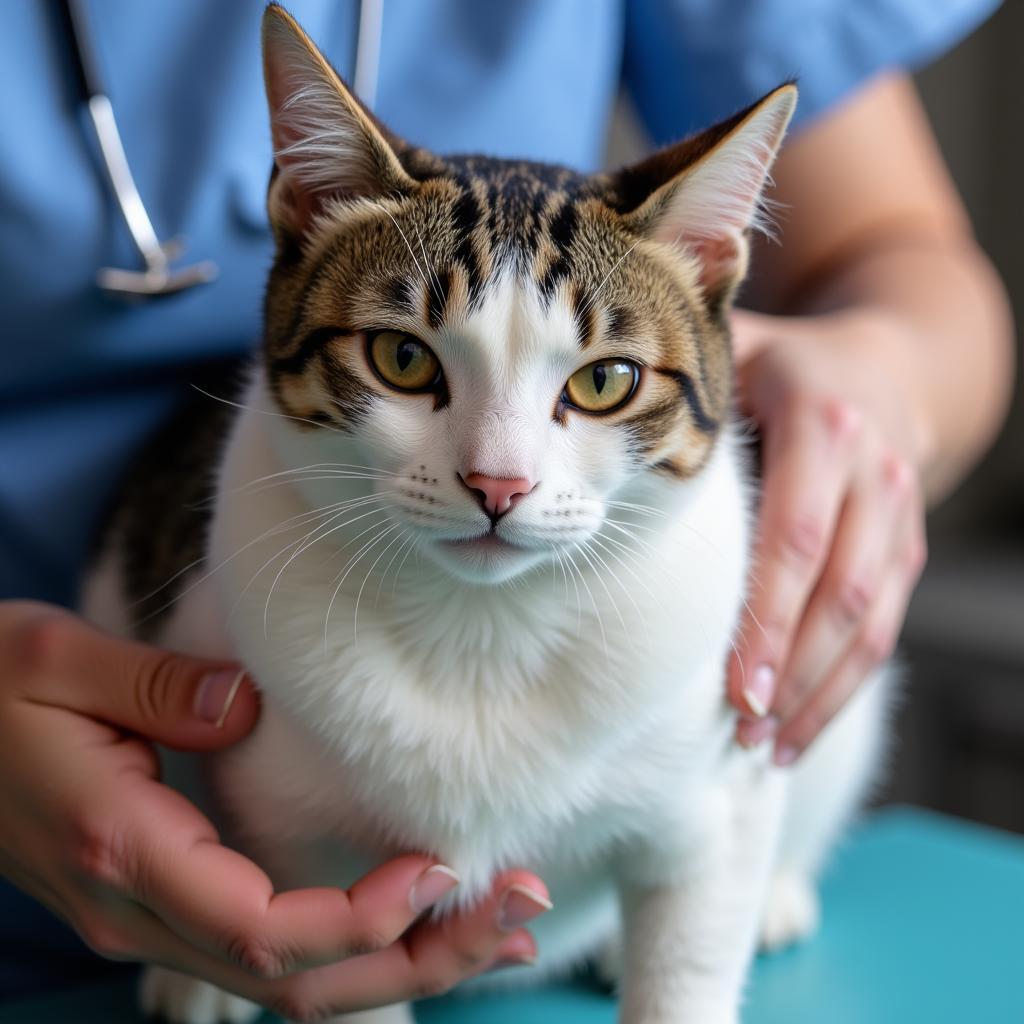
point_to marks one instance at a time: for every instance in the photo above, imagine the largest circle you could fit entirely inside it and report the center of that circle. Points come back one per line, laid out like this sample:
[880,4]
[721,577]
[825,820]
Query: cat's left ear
[703,195]
[326,144]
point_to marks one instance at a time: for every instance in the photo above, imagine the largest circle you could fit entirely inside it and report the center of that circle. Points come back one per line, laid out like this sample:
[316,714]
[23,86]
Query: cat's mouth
[482,542]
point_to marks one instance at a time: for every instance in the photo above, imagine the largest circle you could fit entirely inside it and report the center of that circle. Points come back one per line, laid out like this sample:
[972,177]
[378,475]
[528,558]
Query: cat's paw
[181,999]
[399,1013]
[791,911]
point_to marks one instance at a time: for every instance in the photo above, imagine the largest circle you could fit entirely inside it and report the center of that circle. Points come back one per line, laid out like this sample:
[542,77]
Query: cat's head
[506,344]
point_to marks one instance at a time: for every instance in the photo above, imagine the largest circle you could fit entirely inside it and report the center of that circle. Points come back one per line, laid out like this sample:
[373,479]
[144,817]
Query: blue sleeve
[689,63]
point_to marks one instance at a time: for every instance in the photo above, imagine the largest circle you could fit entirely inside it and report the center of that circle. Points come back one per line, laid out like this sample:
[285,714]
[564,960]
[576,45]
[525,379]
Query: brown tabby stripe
[619,322]
[561,231]
[650,426]
[585,315]
[466,216]
[703,422]
[437,297]
[309,347]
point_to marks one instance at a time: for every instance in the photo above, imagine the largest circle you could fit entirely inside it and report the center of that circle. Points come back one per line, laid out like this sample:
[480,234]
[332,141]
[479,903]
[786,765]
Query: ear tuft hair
[325,142]
[706,194]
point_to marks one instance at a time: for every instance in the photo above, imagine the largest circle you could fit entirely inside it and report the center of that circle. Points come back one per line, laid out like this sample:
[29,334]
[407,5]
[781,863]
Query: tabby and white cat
[480,529]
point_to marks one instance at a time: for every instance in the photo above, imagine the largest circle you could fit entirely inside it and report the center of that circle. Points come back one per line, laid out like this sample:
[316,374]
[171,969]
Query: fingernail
[752,734]
[216,693]
[519,905]
[786,755]
[434,883]
[759,691]
[514,960]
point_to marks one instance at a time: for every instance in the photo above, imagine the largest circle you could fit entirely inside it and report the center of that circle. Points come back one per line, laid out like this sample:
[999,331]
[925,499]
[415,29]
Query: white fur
[571,720]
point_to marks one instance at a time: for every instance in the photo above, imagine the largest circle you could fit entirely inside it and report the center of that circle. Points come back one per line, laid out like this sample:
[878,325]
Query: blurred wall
[960,741]
[975,96]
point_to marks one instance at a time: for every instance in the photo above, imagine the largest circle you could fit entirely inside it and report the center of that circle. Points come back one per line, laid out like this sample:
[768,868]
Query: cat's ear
[326,144]
[704,194]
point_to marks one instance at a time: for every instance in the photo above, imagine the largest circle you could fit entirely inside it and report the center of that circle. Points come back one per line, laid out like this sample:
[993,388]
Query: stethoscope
[158,277]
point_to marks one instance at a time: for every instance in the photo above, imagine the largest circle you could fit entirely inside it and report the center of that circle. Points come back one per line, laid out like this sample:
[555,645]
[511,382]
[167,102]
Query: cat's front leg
[691,904]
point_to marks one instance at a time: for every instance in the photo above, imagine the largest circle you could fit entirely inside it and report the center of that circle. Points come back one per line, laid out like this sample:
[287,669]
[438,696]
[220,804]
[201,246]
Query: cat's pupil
[405,354]
[600,376]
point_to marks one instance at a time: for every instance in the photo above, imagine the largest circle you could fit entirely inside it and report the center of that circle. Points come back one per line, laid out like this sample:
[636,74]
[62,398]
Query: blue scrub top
[85,377]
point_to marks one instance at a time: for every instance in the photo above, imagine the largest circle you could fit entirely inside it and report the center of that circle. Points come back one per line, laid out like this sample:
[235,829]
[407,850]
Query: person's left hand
[840,539]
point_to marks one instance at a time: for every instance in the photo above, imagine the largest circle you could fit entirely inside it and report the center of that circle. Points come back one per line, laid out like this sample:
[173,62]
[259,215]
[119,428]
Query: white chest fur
[487,724]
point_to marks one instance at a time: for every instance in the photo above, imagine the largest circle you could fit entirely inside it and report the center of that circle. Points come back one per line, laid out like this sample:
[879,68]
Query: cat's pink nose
[496,494]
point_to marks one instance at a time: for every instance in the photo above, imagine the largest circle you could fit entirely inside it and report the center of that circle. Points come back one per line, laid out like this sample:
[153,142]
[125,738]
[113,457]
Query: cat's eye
[403,362]
[603,386]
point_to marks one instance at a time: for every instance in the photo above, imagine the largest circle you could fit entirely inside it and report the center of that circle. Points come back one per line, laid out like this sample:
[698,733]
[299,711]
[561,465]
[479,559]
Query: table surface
[923,921]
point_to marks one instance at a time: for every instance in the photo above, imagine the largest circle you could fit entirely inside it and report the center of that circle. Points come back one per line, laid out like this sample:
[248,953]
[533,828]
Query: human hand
[840,539]
[140,874]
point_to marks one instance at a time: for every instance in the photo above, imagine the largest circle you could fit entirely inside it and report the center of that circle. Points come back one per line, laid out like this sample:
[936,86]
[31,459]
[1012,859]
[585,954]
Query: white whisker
[369,572]
[351,564]
[423,276]
[590,594]
[588,305]
[401,565]
[269,412]
[383,576]
[339,508]
[586,551]
[307,546]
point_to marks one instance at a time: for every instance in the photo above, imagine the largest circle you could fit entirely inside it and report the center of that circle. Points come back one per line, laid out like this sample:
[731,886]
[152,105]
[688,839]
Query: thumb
[182,702]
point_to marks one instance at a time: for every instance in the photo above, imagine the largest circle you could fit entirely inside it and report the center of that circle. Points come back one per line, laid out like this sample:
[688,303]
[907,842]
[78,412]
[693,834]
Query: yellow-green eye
[403,361]
[602,386]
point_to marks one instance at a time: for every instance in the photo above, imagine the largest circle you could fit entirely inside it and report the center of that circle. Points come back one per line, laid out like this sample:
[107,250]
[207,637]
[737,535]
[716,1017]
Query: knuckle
[154,692]
[255,955]
[293,1004]
[366,939]
[801,540]
[437,984]
[465,959]
[97,854]
[852,598]
[898,471]
[841,418]
[43,644]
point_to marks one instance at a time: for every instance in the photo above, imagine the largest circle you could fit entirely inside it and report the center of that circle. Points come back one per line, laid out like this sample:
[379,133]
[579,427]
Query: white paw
[180,999]
[399,1013]
[791,911]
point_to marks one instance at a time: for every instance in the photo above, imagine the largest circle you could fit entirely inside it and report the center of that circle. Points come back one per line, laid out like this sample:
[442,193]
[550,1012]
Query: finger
[225,905]
[182,702]
[808,461]
[433,958]
[873,644]
[751,332]
[872,520]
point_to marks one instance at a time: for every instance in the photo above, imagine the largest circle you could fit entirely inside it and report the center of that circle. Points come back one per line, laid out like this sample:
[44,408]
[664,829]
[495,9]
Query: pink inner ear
[719,260]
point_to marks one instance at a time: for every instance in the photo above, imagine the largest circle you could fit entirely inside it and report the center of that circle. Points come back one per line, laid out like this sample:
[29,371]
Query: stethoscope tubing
[158,276]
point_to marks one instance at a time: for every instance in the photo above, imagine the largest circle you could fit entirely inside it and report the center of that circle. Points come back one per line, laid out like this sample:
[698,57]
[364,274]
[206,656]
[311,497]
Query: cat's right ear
[326,145]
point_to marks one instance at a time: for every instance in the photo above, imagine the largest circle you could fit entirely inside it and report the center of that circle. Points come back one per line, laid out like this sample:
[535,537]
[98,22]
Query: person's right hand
[140,874]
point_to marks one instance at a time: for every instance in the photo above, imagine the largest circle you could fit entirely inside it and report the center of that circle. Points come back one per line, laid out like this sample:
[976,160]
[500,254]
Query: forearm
[951,354]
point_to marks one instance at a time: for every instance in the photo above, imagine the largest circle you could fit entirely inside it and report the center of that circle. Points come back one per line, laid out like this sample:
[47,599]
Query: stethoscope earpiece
[158,277]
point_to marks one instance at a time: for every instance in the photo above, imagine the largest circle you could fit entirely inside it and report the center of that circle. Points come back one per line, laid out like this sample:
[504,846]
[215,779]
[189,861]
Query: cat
[479,525]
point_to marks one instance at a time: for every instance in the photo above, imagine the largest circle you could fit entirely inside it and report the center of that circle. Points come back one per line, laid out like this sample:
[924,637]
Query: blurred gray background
[961,737]
[959,743]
